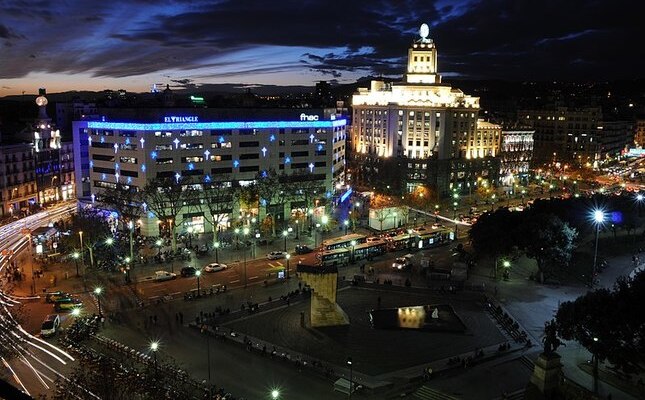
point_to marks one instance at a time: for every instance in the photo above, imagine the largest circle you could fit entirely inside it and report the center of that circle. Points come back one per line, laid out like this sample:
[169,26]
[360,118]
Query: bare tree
[125,200]
[165,198]
[216,201]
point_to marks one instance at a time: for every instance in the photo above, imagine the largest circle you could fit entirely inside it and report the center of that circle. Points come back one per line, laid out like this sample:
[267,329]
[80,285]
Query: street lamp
[275,394]
[285,234]
[198,274]
[245,231]
[75,256]
[131,227]
[154,346]
[353,243]
[109,241]
[216,251]
[80,235]
[76,312]
[255,244]
[351,378]
[97,294]
[410,237]
[594,357]
[346,223]
[639,200]
[316,236]
[288,256]
[394,215]
[127,269]
[599,218]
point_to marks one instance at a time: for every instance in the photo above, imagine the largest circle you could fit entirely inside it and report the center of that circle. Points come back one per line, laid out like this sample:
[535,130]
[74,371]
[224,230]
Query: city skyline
[77,46]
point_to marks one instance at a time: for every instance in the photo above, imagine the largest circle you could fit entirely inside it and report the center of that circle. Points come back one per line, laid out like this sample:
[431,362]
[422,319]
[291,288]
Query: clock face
[41,100]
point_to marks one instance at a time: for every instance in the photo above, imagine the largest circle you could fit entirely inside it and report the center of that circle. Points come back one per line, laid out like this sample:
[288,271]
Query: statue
[550,340]
[435,313]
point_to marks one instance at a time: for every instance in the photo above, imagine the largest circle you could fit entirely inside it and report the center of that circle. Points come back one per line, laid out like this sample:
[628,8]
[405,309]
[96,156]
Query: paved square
[375,351]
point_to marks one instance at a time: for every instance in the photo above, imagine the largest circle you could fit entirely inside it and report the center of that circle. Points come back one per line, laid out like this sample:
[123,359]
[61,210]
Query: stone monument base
[546,377]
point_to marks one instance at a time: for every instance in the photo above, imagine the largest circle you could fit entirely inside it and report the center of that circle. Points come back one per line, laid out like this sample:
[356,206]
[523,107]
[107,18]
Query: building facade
[232,146]
[639,135]
[17,179]
[516,153]
[421,129]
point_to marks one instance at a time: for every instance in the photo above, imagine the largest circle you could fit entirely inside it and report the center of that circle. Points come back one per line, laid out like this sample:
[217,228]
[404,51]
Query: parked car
[276,255]
[188,271]
[50,325]
[67,304]
[164,276]
[215,267]
[302,249]
[51,297]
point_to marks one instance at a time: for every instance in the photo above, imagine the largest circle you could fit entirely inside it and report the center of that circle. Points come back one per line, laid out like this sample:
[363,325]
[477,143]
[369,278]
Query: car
[302,249]
[402,262]
[51,297]
[164,276]
[50,325]
[215,267]
[276,255]
[188,271]
[67,304]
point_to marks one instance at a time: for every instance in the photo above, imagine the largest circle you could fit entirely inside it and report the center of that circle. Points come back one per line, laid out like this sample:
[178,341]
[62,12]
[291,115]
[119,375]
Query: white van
[50,325]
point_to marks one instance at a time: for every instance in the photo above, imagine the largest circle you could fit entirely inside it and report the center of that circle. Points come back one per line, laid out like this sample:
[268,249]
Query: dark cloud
[6,33]
[202,40]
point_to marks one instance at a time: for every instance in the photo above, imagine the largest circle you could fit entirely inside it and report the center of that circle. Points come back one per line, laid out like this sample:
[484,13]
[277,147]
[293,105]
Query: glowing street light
[97,294]
[75,256]
[154,346]
[109,241]
[76,311]
[216,245]
[275,394]
[285,234]
[599,218]
[198,273]
[346,223]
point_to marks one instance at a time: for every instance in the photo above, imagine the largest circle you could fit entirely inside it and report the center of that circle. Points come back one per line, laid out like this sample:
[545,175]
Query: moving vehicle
[302,249]
[402,262]
[188,271]
[160,276]
[67,304]
[276,255]
[51,297]
[50,325]
[215,267]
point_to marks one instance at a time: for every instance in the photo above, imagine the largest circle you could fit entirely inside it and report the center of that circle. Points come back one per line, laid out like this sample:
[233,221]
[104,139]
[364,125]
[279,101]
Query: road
[37,363]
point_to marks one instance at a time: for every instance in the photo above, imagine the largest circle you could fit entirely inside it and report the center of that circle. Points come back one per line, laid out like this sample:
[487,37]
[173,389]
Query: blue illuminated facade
[232,146]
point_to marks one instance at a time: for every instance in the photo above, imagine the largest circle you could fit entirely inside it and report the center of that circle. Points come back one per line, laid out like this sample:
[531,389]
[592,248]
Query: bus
[369,250]
[435,237]
[400,242]
[343,241]
[338,257]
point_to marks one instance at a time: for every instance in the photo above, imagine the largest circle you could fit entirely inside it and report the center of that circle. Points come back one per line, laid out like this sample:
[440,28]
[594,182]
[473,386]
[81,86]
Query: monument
[547,373]
[323,282]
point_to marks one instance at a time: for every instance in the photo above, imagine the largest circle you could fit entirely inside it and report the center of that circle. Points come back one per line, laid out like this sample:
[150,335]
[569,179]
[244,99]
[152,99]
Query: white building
[420,121]
[133,146]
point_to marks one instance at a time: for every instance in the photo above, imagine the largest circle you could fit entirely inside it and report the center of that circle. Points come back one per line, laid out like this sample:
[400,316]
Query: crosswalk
[427,393]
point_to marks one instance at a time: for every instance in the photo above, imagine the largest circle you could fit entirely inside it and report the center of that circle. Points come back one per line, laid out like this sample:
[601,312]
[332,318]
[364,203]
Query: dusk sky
[96,45]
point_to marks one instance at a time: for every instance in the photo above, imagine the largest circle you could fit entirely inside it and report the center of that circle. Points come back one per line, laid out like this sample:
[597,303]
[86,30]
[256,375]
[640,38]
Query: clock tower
[422,59]
[47,144]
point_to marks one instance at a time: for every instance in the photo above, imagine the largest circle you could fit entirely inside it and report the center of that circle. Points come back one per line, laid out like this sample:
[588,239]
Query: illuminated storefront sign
[307,117]
[134,126]
[175,118]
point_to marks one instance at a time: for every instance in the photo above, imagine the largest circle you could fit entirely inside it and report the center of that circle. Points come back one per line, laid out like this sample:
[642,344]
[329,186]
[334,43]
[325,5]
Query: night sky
[94,45]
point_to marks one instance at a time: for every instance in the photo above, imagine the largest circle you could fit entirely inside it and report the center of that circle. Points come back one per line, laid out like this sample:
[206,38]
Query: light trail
[15,376]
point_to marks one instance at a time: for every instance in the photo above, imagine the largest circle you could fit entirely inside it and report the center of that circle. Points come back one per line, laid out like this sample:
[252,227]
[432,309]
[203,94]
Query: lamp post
[492,201]
[131,229]
[288,256]
[410,237]
[154,346]
[204,329]
[80,235]
[346,223]
[255,244]
[394,215]
[599,218]
[275,394]
[316,236]
[639,200]
[75,256]
[353,243]
[285,234]
[594,358]
[217,252]
[245,231]
[198,274]
[351,377]
[127,269]
[97,294]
